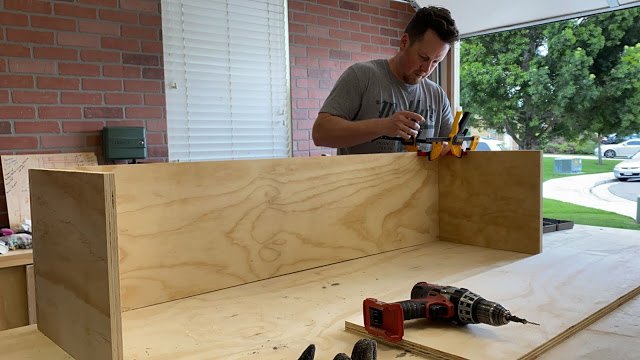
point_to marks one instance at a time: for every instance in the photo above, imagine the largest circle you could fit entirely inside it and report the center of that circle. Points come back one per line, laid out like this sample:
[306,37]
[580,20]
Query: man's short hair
[435,18]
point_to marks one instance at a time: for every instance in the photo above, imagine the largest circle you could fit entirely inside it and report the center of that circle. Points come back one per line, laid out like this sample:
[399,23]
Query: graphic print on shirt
[388,108]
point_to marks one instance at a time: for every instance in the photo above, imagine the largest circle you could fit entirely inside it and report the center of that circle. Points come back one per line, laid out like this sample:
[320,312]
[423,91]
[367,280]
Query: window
[226,70]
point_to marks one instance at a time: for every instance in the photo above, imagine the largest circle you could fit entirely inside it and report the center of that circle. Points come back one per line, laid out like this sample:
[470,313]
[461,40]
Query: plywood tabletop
[16,258]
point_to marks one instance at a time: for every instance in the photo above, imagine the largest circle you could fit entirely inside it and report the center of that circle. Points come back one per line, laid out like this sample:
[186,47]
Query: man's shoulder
[432,86]
[368,66]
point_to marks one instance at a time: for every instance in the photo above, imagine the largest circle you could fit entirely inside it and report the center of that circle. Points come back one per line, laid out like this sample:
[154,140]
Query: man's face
[420,59]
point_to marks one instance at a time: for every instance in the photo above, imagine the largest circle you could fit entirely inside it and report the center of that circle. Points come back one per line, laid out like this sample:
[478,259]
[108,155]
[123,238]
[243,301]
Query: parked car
[624,149]
[615,139]
[489,145]
[628,169]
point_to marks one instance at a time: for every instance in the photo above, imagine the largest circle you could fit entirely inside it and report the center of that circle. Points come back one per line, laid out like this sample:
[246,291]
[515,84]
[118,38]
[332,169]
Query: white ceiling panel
[475,17]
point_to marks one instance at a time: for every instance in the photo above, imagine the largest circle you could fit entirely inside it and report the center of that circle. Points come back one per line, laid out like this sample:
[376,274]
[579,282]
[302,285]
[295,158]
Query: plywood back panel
[75,258]
[191,228]
[492,199]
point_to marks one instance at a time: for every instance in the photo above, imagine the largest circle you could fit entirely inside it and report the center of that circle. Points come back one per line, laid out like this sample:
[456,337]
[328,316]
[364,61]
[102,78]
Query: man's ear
[404,41]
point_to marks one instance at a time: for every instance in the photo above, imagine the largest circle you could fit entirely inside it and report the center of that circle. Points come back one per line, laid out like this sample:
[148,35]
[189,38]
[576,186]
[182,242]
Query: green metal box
[124,143]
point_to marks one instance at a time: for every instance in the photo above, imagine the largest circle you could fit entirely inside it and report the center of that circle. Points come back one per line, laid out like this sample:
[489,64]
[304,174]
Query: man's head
[425,42]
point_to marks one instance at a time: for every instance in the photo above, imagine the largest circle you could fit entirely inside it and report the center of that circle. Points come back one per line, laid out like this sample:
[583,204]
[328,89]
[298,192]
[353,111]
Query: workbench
[259,258]
[16,276]
[277,318]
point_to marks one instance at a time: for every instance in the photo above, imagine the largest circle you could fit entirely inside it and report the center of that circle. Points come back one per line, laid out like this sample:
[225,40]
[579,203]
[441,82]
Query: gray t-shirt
[369,90]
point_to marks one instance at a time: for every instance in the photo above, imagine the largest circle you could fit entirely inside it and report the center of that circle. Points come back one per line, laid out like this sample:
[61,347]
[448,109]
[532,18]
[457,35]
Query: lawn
[579,214]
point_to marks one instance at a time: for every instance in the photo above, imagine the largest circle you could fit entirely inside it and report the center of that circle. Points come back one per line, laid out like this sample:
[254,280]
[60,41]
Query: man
[391,97]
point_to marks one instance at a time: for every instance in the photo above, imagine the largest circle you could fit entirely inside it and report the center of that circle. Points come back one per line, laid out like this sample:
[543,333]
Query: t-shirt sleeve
[446,116]
[345,98]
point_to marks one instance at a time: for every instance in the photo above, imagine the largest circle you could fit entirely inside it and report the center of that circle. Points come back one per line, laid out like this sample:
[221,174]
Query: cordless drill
[433,302]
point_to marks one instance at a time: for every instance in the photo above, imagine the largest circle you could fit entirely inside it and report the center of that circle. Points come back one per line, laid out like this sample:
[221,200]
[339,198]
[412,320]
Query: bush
[562,146]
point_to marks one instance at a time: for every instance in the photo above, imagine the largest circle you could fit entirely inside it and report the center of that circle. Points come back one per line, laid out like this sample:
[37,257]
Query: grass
[580,214]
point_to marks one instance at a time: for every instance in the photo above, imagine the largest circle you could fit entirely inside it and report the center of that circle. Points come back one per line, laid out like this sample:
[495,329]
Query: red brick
[144,113]
[32,66]
[4,96]
[101,84]
[14,50]
[328,22]
[338,13]
[140,32]
[339,34]
[155,138]
[79,69]
[357,57]
[30,36]
[304,18]
[120,44]
[349,25]
[374,10]
[154,99]
[99,27]
[348,5]
[82,98]
[59,112]
[295,50]
[379,40]
[319,73]
[339,55]
[389,32]
[132,123]
[317,9]
[298,71]
[158,151]
[143,85]
[391,14]
[369,29]
[300,134]
[13,19]
[24,127]
[17,112]
[100,56]
[329,43]
[101,3]
[5,128]
[152,47]
[18,142]
[381,21]
[156,125]
[120,71]
[302,145]
[31,6]
[75,11]
[150,20]
[305,83]
[360,37]
[307,62]
[370,49]
[49,22]
[318,93]
[3,65]
[360,18]
[330,3]
[103,112]
[55,53]
[63,141]
[82,126]
[297,29]
[80,40]
[16,81]
[140,5]
[94,140]
[140,59]
[300,154]
[34,97]
[399,6]
[119,16]
[153,73]
[123,99]
[297,5]
[57,83]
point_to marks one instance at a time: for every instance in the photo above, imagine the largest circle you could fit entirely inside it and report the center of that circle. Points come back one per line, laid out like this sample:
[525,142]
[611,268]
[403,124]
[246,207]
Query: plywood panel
[27,343]
[13,298]
[16,180]
[31,293]
[16,258]
[75,253]
[190,228]
[566,288]
[492,199]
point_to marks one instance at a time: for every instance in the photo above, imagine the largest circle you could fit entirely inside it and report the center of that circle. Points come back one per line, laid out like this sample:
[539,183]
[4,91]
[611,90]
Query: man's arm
[334,131]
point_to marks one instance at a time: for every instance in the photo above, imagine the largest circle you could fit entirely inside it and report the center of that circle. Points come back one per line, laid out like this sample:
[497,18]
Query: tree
[558,79]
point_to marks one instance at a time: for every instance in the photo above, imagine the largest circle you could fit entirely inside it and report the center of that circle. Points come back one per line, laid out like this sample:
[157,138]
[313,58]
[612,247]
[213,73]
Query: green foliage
[562,146]
[589,166]
[586,216]
[556,80]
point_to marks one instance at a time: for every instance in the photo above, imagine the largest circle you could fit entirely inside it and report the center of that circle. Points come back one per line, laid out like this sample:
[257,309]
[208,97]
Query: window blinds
[226,70]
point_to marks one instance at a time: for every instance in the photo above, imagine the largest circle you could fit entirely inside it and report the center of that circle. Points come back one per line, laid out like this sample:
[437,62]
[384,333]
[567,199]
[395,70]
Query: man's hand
[404,124]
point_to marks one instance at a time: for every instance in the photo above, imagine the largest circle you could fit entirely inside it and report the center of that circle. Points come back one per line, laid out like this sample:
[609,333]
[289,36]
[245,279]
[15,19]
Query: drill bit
[520,320]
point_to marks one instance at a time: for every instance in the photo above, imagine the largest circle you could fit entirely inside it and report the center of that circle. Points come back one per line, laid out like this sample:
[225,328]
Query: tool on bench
[364,349]
[433,302]
[456,140]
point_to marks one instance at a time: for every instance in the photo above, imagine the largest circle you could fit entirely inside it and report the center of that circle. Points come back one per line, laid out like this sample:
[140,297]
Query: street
[629,190]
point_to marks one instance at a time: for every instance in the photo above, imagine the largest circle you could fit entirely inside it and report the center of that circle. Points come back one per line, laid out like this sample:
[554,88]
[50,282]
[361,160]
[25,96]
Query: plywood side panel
[492,199]
[565,289]
[75,257]
[190,228]
[13,298]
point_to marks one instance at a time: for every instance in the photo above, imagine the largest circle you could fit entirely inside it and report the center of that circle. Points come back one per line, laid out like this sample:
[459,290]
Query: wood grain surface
[566,288]
[190,228]
[75,257]
[492,199]
[16,258]
[13,298]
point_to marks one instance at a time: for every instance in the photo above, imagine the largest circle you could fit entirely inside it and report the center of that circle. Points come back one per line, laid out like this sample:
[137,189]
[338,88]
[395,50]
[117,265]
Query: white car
[489,145]
[624,149]
[628,169]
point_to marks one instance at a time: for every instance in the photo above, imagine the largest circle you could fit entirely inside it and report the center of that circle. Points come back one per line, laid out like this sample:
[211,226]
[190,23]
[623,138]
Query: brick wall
[68,68]
[325,37]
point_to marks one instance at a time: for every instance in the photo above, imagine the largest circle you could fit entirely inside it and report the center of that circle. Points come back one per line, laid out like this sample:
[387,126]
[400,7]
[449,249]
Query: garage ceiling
[476,17]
